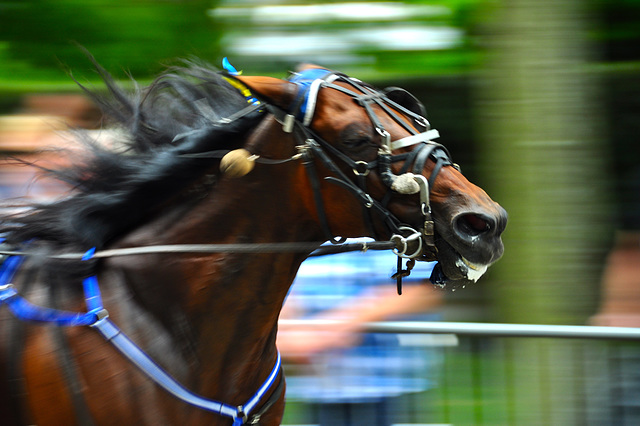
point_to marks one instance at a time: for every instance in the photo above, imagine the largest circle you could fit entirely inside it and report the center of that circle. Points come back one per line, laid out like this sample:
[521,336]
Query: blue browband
[98,318]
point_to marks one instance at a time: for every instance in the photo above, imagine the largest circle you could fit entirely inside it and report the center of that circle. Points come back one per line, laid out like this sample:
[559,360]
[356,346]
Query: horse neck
[222,309]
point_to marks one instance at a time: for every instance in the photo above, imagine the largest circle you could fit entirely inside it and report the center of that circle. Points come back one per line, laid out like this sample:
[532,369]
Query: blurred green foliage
[38,38]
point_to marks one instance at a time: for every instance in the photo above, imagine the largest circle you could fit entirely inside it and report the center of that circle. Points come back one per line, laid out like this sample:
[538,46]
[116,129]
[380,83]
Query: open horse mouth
[469,247]
[457,268]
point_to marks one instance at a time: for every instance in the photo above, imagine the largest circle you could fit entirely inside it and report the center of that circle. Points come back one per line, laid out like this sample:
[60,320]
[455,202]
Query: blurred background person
[345,375]
[620,307]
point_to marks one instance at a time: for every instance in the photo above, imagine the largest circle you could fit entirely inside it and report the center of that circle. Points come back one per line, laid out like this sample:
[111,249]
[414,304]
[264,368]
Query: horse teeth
[470,264]
[473,270]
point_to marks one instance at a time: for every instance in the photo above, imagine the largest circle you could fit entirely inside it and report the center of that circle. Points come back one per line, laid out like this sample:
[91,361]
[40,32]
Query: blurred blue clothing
[380,367]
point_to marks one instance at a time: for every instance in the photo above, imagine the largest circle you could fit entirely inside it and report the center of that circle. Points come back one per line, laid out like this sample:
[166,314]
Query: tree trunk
[544,159]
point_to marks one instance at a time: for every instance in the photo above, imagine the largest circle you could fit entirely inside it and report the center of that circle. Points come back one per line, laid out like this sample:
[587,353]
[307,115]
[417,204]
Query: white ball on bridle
[405,184]
[237,163]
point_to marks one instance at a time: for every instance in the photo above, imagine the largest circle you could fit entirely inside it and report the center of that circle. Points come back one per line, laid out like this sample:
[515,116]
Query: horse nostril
[473,224]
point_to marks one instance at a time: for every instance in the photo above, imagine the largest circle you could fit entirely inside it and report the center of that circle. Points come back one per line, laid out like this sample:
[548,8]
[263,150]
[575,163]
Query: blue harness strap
[132,352]
[304,103]
[26,311]
[97,317]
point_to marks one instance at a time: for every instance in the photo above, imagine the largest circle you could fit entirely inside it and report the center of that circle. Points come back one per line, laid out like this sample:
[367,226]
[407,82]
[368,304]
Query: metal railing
[523,374]
[489,329]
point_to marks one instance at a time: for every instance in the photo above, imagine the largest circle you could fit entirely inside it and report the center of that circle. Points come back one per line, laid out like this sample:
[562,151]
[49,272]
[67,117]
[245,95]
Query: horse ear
[279,92]
[306,66]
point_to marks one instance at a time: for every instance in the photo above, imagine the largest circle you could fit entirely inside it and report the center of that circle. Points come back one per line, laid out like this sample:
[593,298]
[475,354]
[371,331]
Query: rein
[317,249]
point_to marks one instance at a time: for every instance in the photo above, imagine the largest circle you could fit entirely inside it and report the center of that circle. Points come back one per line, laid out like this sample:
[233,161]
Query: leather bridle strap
[299,116]
[312,173]
[314,150]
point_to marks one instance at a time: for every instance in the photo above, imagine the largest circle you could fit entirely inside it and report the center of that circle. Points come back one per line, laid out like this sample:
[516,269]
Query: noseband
[297,120]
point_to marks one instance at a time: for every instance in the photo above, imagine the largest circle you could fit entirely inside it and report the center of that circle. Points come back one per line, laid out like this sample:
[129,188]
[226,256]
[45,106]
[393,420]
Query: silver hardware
[288,122]
[384,150]
[424,193]
[404,242]
[358,172]
[386,137]
[241,413]
[102,314]
[421,121]
[369,203]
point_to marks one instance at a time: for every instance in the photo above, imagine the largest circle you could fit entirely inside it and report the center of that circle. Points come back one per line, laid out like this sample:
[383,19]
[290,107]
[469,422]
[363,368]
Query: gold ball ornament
[237,163]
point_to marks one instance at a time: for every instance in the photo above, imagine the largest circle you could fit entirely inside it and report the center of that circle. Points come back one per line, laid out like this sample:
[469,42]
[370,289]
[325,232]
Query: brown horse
[317,157]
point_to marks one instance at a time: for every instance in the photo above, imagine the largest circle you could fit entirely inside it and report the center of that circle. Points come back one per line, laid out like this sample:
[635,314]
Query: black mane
[114,191]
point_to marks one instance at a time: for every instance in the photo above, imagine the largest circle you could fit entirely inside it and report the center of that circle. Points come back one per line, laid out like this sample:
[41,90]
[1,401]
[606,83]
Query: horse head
[369,152]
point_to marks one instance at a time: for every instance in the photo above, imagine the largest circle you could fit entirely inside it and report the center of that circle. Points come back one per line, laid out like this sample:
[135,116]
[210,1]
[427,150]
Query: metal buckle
[386,137]
[422,121]
[241,414]
[368,201]
[100,315]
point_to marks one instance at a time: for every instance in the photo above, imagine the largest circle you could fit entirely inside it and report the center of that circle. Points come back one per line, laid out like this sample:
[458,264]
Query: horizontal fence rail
[487,329]
[509,374]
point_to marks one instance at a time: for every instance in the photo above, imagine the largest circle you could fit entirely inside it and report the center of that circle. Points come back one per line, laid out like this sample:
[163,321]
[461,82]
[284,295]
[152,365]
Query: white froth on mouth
[473,270]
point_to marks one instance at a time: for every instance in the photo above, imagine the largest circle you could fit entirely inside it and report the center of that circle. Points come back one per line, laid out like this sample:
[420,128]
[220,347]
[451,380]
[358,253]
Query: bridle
[414,244]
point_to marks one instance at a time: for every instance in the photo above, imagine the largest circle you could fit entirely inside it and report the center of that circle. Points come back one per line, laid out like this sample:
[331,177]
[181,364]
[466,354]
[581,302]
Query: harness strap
[69,368]
[275,396]
[414,139]
[140,359]
[366,210]
[15,377]
[368,202]
[442,159]
[421,158]
[317,196]
[98,318]
[387,216]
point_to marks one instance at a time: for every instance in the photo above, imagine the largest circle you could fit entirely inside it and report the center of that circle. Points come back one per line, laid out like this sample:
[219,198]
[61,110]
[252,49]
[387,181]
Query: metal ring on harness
[361,168]
[404,242]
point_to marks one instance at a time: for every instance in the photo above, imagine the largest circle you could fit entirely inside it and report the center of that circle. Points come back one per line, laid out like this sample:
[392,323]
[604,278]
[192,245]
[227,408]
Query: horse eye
[359,141]
[356,137]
